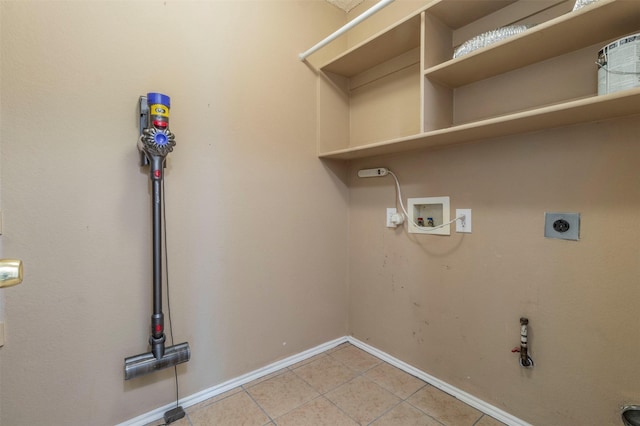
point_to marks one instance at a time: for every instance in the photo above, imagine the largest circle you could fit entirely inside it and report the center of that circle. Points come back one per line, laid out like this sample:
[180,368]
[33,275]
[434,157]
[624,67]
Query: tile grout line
[404,400]
[363,375]
[418,408]
[401,400]
[271,420]
[323,394]
[479,418]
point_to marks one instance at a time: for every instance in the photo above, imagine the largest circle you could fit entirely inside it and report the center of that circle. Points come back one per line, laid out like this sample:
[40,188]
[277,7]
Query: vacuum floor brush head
[139,365]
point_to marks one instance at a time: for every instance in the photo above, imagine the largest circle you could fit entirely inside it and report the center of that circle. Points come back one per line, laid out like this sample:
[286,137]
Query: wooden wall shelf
[597,108]
[400,90]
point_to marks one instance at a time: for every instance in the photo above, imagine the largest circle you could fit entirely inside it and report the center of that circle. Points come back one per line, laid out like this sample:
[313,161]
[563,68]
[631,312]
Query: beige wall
[381,20]
[258,229]
[450,306]
[257,226]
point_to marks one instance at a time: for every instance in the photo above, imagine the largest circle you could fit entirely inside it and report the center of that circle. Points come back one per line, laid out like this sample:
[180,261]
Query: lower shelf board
[604,107]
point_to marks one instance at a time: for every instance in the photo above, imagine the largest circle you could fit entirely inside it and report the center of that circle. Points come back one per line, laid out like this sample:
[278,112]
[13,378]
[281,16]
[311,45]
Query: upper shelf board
[456,13]
[603,20]
[392,42]
[604,107]
[404,35]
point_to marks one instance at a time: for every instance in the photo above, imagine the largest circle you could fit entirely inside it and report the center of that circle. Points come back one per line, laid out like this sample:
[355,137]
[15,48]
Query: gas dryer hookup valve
[525,359]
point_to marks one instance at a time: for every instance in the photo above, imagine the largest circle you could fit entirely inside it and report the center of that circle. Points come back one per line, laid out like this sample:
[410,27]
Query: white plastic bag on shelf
[488,38]
[582,3]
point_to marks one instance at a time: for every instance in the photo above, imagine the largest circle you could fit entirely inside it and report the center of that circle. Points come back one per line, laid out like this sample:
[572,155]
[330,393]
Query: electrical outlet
[463,225]
[390,213]
[377,172]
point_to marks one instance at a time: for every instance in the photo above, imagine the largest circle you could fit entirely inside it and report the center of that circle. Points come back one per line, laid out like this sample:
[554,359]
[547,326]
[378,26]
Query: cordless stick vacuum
[155,143]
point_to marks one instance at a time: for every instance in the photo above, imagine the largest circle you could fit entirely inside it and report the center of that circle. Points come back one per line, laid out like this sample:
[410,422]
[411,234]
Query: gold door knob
[10,272]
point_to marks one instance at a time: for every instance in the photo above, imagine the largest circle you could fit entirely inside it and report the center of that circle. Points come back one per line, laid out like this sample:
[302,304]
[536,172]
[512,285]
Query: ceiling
[345,5]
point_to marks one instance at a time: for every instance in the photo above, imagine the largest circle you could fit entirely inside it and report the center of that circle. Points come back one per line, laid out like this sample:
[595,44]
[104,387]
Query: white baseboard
[463,396]
[203,395]
[211,392]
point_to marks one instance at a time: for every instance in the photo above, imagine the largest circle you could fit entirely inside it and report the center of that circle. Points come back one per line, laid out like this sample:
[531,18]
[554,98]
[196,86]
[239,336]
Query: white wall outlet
[463,225]
[390,213]
[426,215]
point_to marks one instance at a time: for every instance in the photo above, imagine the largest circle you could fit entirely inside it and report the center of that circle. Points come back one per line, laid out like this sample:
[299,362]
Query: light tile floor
[344,386]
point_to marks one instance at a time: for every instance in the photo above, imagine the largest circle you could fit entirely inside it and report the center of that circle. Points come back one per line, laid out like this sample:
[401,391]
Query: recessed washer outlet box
[564,226]
[428,213]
